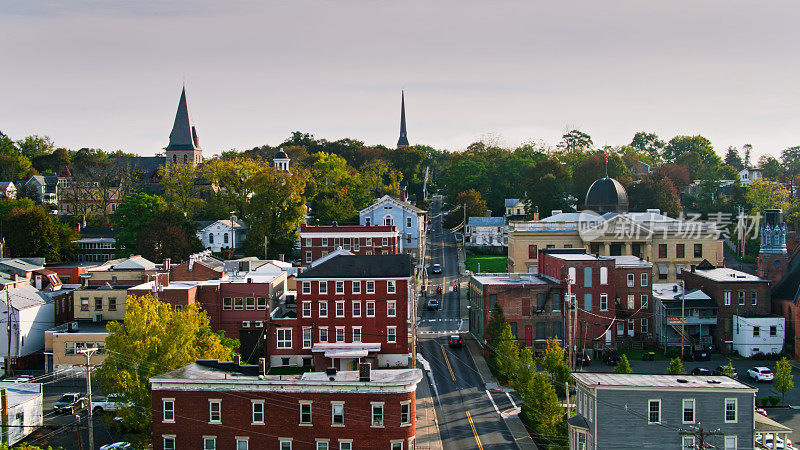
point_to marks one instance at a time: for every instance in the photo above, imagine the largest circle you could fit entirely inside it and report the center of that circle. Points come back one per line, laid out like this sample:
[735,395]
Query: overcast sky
[108,73]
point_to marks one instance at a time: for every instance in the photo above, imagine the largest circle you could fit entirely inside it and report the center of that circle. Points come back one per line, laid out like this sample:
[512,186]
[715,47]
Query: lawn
[489,263]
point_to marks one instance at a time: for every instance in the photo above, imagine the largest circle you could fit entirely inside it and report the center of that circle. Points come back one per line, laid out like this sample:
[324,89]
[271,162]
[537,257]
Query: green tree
[770,167]
[179,182]
[576,140]
[733,159]
[31,231]
[504,356]
[655,191]
[132,217]
[623,366]
[555,364]
[763,194]
[494,330]
[525,371]
[648,143]
[547,187]
[675,367]
[154,339]
[34,145]
[679,145]
[333,206]
[784,380]
[728,370]
[542,409]
[170,234]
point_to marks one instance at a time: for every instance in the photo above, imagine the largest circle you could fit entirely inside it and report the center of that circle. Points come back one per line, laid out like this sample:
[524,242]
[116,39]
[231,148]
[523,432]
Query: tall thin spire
[183,135]
[403,141]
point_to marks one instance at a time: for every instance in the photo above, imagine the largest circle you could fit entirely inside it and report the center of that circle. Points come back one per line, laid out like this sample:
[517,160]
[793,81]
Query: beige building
[670,244]
[63,343]
[99,303]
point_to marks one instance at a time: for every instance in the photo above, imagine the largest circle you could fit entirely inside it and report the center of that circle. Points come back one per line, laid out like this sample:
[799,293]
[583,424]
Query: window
[643,282]
[370,287]
[258,412]
[540,332]
[356,242]
[741,297]
[306,309]
[391,308]
[727,296]
[731,443]
[654,411]
[339,334]
[238,303]
[261,303]
[408,222]
[284,338]
[169,442]
[250,303]
[286,444]
[571,274]
[356,287]
[603,302]
[688,442]
[377,414]
[405,413]
[604,275]
[112,304]
[587,302]
[356,334]
[323,334]
[306,287]
[396,445]
[631,280]
[587,277]
[322,445]
[368,221]
[631,302]
[643,325]
[698,250]
[305,413]
[209,443]
[323,287]
[390,287]
[306,337]
[370,309]
[731,414]
[337,413]
[340,309]
[241,443]
[308,256]
[340,287]
[662,251]
[540,300]
[533,251]
[98,303]
[215,411]
[169,410]
[773,331]
[323,309]
[688,410]
[391,334]
[345,445]
[324,242]
[385,241]
[754,297]
[643,300]
[756,331]
[356,309]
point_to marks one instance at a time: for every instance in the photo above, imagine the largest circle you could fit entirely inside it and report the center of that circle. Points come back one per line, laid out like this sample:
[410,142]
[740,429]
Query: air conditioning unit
[259,324]
[97,318]
[245,324]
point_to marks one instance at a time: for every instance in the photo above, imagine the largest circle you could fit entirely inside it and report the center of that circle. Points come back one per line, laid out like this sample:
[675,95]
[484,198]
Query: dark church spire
[183,135]
[403,141]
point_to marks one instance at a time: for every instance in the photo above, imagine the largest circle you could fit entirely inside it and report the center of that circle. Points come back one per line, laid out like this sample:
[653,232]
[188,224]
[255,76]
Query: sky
[107,73]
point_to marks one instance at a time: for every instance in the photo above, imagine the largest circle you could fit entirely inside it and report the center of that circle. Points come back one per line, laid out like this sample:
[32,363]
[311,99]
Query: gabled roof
[21,264]
[486,221]
[203,225]
[4,185]
[511,202]
[389,199]
[135,263]
[183,135]
[362,266]
[24,297]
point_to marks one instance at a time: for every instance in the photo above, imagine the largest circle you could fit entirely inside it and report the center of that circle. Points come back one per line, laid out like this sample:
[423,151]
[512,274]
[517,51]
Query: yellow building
[608,229]
[63,343]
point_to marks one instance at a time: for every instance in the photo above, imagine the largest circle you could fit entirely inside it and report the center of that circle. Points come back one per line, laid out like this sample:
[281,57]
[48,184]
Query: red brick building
[227,406]
[349,309]
[317,241]
[634,287]
[200,266]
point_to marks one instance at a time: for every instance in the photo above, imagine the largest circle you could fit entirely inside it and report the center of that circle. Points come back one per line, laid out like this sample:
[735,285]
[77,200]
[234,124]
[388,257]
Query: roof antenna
[605,152]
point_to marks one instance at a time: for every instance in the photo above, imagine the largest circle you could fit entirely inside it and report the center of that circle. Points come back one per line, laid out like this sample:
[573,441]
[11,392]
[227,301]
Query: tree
[790,157]
[525,371]
[547,187]
[476,207]
[132,217]
[504,356]
[576,140]
[170,234]
[179,182]
[679,145]
[31,231]
[679,175]
[623,366]
[34,145]
[763,194]
[655,191]
[555,364]
[333,206]
[733,159]
[784,380]
[542,409]
[152,340]
[675,367]
[593,168]
[728,369]
[494,330]
[770,167]
[648,143]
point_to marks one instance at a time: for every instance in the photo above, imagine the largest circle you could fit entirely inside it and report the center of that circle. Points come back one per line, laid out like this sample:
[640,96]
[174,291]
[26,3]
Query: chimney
[237,360]
[282,257]
[365,372]
[167,264]
[262,366]
[694,267]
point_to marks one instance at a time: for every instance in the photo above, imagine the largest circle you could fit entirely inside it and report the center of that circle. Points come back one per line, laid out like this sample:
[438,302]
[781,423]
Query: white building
[486,232]
[8,190]
[409,220]
[24,413]
[753,335]
[31,313]
[748,175]
[222,234]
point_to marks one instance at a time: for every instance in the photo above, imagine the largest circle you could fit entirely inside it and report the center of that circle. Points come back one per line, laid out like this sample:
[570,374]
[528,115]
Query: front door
[631,327]
[608,337]
[528,336]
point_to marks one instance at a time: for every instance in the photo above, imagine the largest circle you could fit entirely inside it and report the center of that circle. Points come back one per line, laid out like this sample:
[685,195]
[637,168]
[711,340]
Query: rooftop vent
[555,212]
[330,371]
[682,380]
[365,372]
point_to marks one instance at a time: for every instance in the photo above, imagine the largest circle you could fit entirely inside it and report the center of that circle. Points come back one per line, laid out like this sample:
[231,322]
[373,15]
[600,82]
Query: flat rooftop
[727,275]
[511,278]
[690,382]
[630,261]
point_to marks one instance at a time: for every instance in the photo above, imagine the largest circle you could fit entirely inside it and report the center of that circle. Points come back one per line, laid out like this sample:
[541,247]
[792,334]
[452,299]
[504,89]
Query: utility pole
[8,327]
[570,336]
[89,352]
[266,241]
[700,435]
[78,431]
[683,315]
[464,228]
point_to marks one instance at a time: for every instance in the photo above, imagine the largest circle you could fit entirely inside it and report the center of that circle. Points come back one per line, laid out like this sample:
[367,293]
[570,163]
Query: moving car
[70,403]
[701,371]
[433,304]
[437,268]
[760,374]
[455,341]
[116,445]
[582,359]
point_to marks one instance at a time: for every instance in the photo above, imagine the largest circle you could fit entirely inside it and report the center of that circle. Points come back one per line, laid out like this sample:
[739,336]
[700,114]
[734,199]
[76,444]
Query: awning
[663,269]
[341,353]
[766,425]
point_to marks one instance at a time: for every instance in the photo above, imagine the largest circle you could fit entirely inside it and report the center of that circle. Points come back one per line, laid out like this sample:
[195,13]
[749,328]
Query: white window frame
[391,335]
[727,439]
[356,336]
[644,300]
[207,439]
[604,302]
[370,303]
[742,294]
[644,326]
[649,404]
[735,402]
[168,437]
[334,406]
[323,332]
[391,308]
[340,336]
[693,408]
[307,337]
[643,282]
[631,280]
[306,287]
[281,338]
[323,287]
[340,287]
[243,439]
[687,442]
[322,308]
[322,444]
[727,296]
[345,444]
[370,287]
[164,417]
[227,303]
[309,404]
[407,419]
[306,309]
[211,403]
[356,308]
[324,242]
[377,411]
[308,256]
[408,222]
[254,413]
[339,308]
[604,275]
[356,287]
[391,288]
[282,441]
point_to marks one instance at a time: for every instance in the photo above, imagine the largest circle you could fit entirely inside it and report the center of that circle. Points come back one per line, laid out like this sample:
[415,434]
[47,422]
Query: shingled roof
[362,266]
[183,135]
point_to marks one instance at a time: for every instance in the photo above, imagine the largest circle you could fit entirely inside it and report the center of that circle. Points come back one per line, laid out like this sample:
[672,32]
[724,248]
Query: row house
[409,220]
[682,318]
[349,309]
[97,244]
[318,241]
[633,282]
[123,271]
[26,312]
[242,407]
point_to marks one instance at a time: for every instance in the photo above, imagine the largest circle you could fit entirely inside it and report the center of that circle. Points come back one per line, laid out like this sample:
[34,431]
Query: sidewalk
[427,423]
[514,423]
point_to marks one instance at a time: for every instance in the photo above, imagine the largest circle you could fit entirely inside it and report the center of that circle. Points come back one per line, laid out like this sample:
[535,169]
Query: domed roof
[281,155]
[606,195]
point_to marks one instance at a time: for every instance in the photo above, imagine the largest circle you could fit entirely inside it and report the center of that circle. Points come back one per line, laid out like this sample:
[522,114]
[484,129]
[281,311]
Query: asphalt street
[469,414]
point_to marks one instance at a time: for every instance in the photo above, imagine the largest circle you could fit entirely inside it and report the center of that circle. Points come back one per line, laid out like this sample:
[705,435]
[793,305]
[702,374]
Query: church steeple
[403,141]
[184,145]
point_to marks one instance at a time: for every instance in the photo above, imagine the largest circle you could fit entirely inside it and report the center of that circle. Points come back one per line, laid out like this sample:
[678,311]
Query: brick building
[531,305]
[736,293]
[223,405]
[633,283]
[318,241]
[349,309]
[200,266]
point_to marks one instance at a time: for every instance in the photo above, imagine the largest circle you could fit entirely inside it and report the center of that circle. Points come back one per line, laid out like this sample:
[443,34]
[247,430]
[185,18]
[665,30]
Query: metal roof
[486,221]
[689,382]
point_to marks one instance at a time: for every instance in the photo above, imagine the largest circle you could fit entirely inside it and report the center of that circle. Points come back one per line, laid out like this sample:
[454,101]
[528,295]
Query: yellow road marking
[448,362]
[474,432]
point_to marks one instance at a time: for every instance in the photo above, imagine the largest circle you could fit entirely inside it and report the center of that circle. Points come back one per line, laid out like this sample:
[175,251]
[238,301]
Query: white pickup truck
[111,403]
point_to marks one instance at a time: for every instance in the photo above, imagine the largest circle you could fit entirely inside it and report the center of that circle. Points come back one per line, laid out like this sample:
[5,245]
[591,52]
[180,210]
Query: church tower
[281,161]
[403,141]
[773,258]
[184,145]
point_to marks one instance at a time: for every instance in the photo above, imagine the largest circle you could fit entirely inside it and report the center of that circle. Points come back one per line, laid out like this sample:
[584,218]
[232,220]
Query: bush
[773,400]
[760,401]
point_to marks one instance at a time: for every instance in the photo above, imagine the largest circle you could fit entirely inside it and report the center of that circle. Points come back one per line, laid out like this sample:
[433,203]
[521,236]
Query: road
[469,414]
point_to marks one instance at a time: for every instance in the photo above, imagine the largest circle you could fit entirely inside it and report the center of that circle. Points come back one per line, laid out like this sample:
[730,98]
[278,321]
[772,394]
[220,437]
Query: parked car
[720,370]
[70,403]
[611,357]
[648,356]
[116,445]
[455,341]
[701,355]
[760,374]
[433,304]
[582,359]
[111,403]
[20,379]
[701,371]
[437,268]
